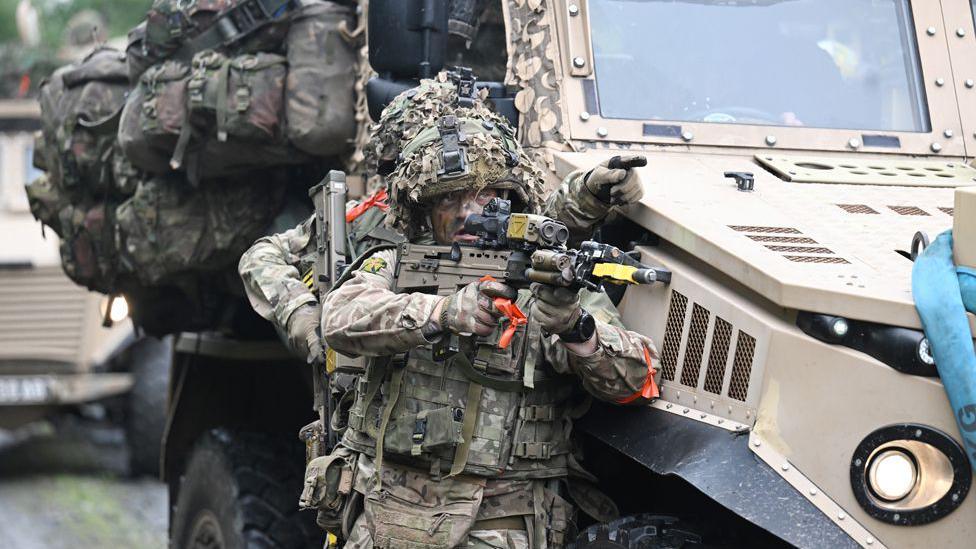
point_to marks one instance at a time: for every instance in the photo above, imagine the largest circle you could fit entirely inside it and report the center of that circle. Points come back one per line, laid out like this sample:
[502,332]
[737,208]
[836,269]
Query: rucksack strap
[236,23]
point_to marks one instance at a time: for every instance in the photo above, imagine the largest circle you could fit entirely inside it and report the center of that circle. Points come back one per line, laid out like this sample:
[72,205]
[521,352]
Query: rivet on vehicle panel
[579,63]
[970,83]
[703,416]
[687,136]
[785,467]
[940,81]
[602,132]
[573,10]
[770,140]
[721,421]
[869,541]
[854,143]
[685,411]
[947,133]
[584,116]
[841,516]
[960,32]
[936,147]
[930,31]
[813,491]
[757,443]
[669,406]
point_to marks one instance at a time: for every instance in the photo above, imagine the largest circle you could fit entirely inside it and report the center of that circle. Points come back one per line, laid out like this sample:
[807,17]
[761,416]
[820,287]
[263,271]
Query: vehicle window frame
[939,101]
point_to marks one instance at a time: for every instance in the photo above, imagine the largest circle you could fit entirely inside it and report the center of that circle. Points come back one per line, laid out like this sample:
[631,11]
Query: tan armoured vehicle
[800,153]
[55,352]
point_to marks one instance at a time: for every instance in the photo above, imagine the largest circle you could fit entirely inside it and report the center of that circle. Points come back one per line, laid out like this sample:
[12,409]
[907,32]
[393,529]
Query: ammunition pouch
[329,482]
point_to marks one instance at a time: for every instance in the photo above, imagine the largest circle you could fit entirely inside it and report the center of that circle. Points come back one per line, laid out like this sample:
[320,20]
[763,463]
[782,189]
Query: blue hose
[943,293]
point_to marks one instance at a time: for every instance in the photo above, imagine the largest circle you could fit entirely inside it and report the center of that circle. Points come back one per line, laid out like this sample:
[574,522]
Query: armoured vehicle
[799,154]
[62,347]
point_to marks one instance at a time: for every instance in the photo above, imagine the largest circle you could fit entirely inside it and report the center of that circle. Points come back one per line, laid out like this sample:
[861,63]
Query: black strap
[235,24]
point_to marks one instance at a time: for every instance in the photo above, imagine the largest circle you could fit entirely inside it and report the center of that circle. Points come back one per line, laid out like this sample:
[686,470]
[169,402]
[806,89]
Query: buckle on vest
[419,432]
[537,413]
[533,450]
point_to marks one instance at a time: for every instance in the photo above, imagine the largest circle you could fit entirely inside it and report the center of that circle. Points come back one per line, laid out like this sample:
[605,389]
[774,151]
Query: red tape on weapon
[378,199]
[649,391]
[511,311]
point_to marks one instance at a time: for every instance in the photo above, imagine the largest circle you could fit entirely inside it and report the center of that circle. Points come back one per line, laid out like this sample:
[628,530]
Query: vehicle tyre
[640,532]
[145,412]
[240,490]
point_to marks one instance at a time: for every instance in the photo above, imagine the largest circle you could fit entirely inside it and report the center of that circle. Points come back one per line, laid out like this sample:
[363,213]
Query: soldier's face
[449,211]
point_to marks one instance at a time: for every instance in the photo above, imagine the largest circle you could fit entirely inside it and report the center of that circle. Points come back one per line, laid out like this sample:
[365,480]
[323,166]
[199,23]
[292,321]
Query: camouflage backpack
[223,112]
[168,227]
[86,174]
[80,105]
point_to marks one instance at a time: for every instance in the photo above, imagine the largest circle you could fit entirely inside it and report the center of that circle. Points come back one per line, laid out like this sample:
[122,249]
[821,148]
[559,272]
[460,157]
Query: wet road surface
[64,484]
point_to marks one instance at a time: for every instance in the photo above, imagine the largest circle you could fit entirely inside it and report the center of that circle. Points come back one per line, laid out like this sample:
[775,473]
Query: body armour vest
[482,411]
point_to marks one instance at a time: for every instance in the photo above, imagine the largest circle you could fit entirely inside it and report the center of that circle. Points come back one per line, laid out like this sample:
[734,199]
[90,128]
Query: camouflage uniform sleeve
[272,282]
[617,369]
[366,317]
[575,206]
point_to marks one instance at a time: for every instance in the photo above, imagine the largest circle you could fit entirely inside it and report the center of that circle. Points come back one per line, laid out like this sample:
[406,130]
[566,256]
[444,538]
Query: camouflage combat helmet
[420,107]
[460,153]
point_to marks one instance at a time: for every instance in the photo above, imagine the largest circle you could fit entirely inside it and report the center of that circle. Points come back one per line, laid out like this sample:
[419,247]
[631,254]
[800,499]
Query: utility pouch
[408,509]
[427,431]
[329,482]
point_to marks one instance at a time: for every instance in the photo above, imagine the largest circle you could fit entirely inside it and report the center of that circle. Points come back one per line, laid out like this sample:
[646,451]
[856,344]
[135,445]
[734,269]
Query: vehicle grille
[858,209]
[42,317]
[694,337]
[908,210]
[672,335]
[948,211]
[721,339]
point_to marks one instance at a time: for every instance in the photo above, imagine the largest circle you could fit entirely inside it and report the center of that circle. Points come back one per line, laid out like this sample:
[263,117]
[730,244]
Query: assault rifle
[519,249]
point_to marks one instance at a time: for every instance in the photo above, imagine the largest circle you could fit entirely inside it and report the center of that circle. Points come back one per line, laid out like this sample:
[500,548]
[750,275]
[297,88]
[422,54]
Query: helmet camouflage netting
[490,158]
[408,135]
[415,109]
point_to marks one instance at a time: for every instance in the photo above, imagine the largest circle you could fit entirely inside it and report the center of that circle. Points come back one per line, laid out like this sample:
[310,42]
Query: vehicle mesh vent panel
[696,346]
[949,211]
[908,210]
[775,230]
[816,259]
[745,349]
[800,249]
[783,239]
[672,335]
[719,353]
[858,208]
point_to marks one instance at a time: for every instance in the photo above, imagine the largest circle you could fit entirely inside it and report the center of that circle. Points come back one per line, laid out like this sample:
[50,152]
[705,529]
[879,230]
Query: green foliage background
[20,65]
[54,14]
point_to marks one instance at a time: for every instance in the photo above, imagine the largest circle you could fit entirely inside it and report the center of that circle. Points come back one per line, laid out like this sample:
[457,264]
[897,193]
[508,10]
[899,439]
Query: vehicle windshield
[818,63]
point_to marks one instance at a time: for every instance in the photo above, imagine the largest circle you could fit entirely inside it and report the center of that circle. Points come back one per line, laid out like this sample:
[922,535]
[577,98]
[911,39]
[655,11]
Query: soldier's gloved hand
[624,186]
[303,332]
[472,310]
[557,309]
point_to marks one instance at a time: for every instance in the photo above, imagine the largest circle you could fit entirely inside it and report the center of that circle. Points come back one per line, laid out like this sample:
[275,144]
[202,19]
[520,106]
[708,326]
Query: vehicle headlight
[909,474]
[119,308]
[892,474]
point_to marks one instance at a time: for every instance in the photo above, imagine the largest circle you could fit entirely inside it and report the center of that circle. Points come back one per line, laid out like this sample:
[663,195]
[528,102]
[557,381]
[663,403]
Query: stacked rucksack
[165,162]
